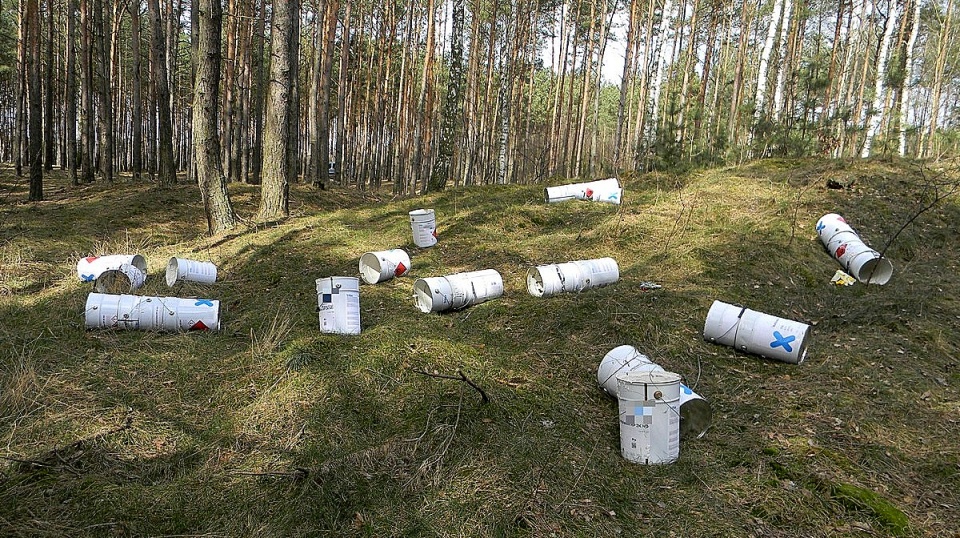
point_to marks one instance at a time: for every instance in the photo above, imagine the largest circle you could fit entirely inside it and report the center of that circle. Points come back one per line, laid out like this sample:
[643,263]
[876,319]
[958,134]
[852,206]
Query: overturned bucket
[338,302]
[104,311]
[435,294]
[695,412]
[89,268]
[423,222]
[546,280]
[755,332]
[649,416]
[857,259]
[605,190]
[384,265]
[123,279]
[181,269]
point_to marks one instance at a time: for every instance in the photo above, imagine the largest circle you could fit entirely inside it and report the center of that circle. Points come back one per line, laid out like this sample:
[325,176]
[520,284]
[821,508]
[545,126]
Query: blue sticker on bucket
[326,298]
[88,278]
[820,226]
[782,341]
[204,302]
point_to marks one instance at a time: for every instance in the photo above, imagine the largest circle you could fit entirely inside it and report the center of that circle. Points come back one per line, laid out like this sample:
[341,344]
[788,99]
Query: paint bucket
[105,311]
[89,268]
[456,291]
[338,301]
[423,222]
[600,190]
[125,278]
[755,332]
[649,416]
[546,280]
[180,269]
[857,259]
[384,265]
[695,412]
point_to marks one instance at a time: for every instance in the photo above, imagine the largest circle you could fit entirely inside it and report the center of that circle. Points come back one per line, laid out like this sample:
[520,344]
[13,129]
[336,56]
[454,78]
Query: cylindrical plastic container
[546,280]
[754,332]
[89,268]
[105,311]
[338,302]
[857,259]
[383,265]
[181,269]
[602,190]
[695,412]
[436,294]
[423,223]
[649,416]
[123,279]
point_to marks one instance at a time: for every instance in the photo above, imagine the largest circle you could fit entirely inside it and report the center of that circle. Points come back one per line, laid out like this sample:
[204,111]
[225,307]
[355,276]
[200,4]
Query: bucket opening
[423,296]
[876,271]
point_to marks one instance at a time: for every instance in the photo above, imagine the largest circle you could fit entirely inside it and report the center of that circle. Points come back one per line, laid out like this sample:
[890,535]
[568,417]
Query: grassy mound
[271,428]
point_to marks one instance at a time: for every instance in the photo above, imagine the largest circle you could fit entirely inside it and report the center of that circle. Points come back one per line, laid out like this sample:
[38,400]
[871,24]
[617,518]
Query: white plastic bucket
[601,190]
[755,332]
[695,412]
[125,278]
[423,222]
[857,259]
[436,294]
[649,416]
[105,311]
[180,269]
[338,302]
[384,265]
[89,268]
[547,280]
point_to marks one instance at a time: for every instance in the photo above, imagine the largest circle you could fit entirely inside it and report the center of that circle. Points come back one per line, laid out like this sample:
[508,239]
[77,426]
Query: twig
[298,473]
[579,475]
[459,377]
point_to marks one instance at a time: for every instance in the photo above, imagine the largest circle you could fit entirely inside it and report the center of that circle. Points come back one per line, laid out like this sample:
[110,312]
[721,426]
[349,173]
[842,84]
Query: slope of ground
[271,428]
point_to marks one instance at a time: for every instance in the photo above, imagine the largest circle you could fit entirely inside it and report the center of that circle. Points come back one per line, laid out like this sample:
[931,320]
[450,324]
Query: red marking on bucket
[401,269]
[434,232]
[589,193]
[199,326]
[841,250]
[91,258]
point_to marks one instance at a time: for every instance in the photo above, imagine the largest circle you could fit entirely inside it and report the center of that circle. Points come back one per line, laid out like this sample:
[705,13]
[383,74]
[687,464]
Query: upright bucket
[695,412]
[383,265]
[546,280]
[173,314]
[857,259]
[181,269]
[123,279]
[338,301]
[754,332]
[89,268]
[436,294]
[423,222]
[649,416]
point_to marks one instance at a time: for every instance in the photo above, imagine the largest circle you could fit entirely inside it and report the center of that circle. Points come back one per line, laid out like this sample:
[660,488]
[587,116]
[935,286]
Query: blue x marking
[87,278]
[821,226]
[207,302]
[783,342]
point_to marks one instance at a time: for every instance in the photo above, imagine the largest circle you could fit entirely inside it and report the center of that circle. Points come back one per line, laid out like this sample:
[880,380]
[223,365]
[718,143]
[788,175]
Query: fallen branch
[459,377]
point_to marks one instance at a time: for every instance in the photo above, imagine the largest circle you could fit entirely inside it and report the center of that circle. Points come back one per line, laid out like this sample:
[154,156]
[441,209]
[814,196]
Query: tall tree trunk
[941,60]
[761,95]
[136,117]
[102,24]
[70,97]
[875,112]
[781,60]
[453,104]
[277,174]
[661,68]
[506,92]
[341,131]
[167,173]
[714,14]
[35,129]
[87,127]
[213,186]
[293,111]
[258,96]
[229,88]
[49,136]
[909,75]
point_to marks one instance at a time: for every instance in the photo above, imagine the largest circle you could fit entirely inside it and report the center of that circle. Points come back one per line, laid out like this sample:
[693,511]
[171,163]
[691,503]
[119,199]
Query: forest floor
[271,428]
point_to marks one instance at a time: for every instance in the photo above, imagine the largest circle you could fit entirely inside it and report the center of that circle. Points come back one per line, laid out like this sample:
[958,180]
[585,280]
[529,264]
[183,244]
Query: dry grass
[270,428]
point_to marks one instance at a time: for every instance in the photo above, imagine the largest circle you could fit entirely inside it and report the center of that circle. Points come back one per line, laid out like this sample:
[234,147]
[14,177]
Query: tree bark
[213,185]
[167,173]
[70,95]
[35,124]
[875,112]
[277,173]
[49,136]
[909,74]
[136,113]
